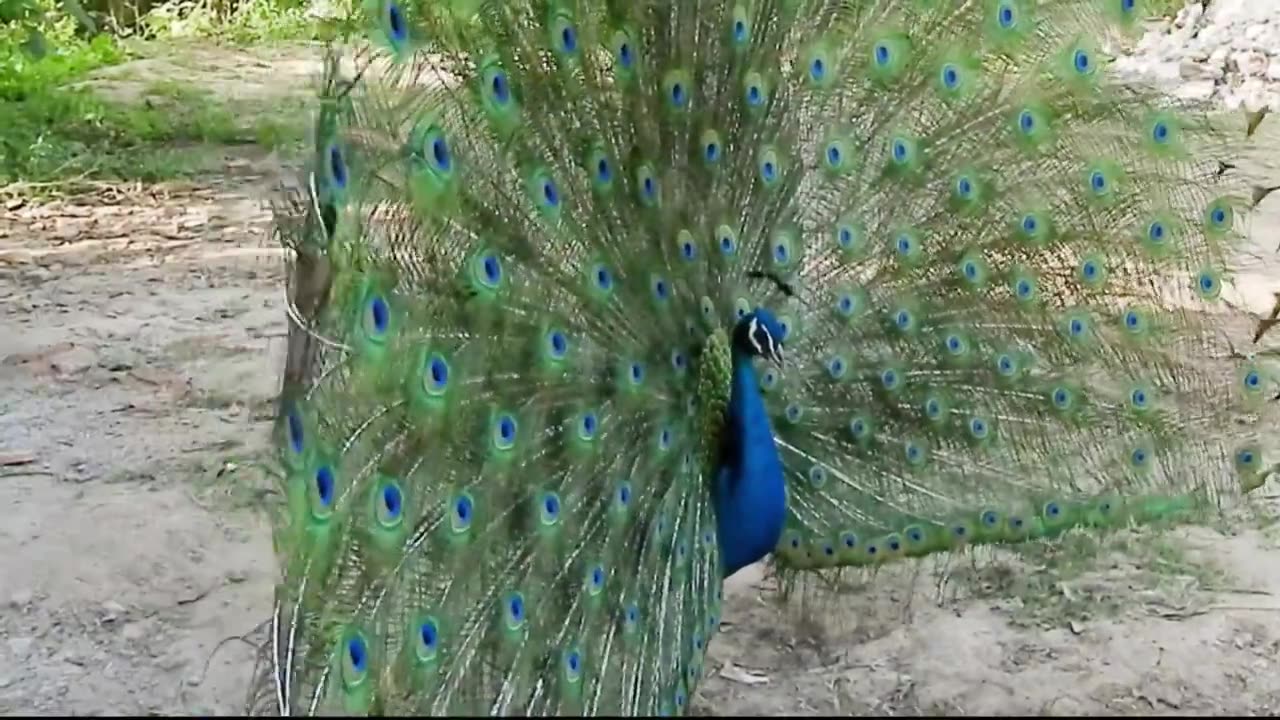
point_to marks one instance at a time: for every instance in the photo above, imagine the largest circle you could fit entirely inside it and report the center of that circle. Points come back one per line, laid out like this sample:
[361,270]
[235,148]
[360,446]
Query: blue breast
[749,496]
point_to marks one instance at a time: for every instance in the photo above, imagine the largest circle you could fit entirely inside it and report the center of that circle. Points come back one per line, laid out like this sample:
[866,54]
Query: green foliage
[53,128]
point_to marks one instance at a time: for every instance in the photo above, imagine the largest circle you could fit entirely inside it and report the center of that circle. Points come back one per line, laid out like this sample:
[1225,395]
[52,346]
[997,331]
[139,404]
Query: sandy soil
[142,337]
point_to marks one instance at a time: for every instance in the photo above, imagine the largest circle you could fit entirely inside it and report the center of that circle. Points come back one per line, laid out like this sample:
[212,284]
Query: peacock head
[759,334]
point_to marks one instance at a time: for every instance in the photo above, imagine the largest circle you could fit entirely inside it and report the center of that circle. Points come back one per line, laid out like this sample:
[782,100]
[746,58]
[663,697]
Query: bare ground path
[143,336]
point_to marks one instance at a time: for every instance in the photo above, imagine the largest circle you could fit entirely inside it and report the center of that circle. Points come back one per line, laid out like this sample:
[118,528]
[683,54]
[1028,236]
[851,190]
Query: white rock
[1196,90]
[1254,95]
[1273,71]
[1248,63]
[20,647]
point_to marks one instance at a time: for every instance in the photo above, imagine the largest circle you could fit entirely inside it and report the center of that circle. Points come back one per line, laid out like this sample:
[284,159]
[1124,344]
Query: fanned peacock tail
[524,309]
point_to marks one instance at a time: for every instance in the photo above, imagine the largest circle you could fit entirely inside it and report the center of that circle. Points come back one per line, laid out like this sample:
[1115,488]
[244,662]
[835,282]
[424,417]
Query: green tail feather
[529,226]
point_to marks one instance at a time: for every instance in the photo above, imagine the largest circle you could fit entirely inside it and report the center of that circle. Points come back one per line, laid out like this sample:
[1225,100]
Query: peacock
[594,304]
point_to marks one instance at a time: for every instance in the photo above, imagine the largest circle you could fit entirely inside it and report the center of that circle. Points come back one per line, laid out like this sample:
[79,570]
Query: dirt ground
[142,336]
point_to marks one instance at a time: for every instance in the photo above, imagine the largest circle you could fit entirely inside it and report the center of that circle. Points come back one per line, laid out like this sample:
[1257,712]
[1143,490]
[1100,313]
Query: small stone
[1197,90]
[111,611]
[133,632]
[1250,63]
[20,599]
[20,647]
[73,361]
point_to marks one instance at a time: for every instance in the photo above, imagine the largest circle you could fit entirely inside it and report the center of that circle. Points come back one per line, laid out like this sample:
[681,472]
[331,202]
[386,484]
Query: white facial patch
[751,335]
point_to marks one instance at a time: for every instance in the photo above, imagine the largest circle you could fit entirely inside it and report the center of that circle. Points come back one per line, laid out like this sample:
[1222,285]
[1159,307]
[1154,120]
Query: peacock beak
[776,357]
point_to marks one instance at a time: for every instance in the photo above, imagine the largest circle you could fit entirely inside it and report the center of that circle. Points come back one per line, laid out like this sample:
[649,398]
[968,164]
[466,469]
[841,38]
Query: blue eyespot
[1160,133]
[1026,122]
[727,244]
[754,96]
[769,171]
[900,151]
[817,70]
[357,654]
[501,89]
[392,501]
[429,635]
[603,173]
[836,367]
[882,54]
[551,503]
[1005,17]
[978,427]
[1252,379]
[678,95]
[1052,510]
[462,507]
[395,22]
[933,408]
[441,155]
[950,76]
[1138,457]
[1098,182]
[515,608]
[1156,232]
[588,425]
[492,269]
[1082,62]
[637,372]
[780,253]
[1076,327]
[712,152]
[904,245]
[740,31]
[550,194]
[1030,224]
[324,485]
[337,167]
[379,314]
[1127,6]
[889,379]
[437,374]
[506,430]
[568,39]
[604,280]
[297,433]
[1138,398]
[964,187]
[660,289]
[1218,216]
[1004,365]
[624,55]
[833,155]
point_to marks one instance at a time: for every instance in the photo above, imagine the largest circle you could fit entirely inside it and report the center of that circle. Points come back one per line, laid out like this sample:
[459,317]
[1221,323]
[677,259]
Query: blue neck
[750,497]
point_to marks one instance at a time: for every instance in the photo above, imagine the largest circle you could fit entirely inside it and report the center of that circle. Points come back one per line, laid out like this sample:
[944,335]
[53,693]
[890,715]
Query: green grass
[53,129]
